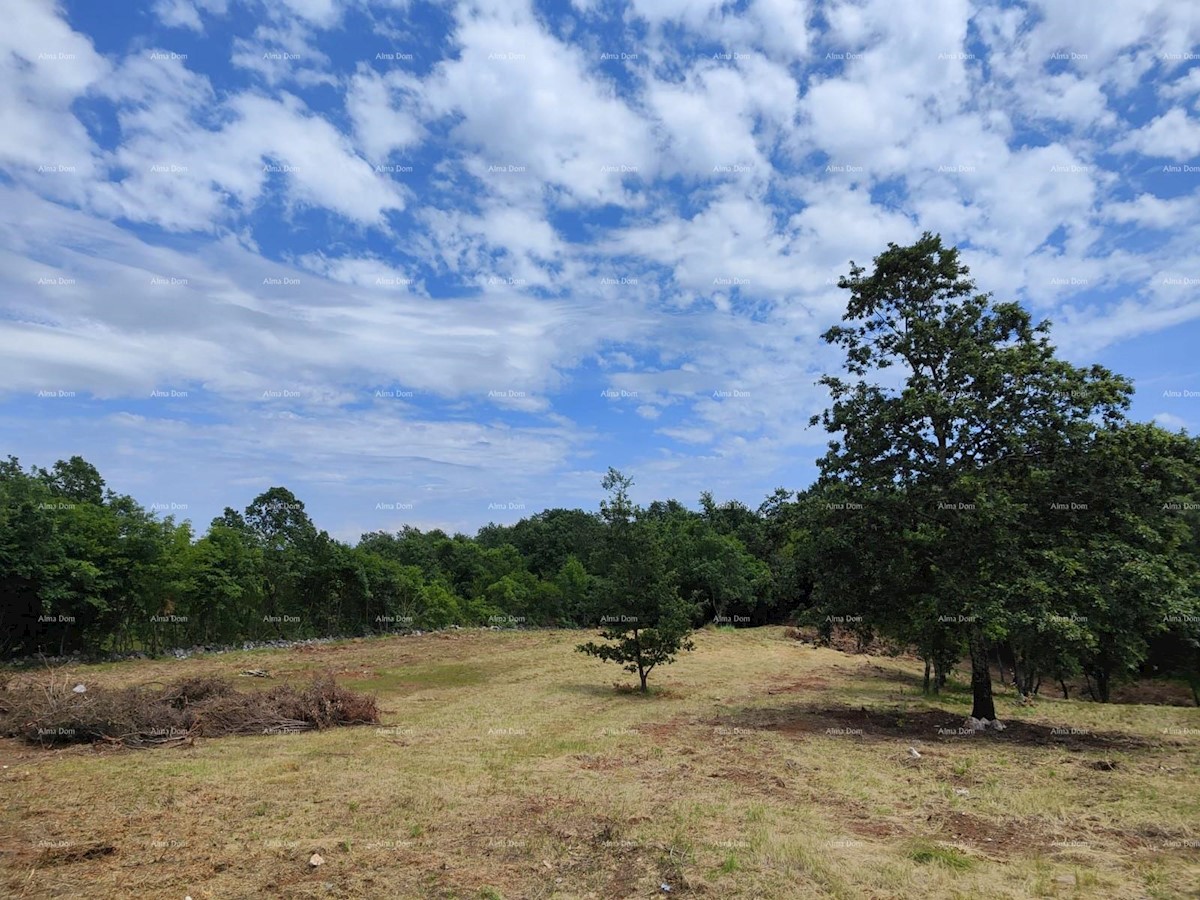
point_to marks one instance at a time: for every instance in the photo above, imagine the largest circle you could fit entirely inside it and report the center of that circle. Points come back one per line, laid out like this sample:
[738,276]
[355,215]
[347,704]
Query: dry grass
[508,766]
[54,711]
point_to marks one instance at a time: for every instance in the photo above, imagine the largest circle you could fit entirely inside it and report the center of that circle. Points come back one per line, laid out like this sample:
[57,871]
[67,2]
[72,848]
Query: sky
[442,264]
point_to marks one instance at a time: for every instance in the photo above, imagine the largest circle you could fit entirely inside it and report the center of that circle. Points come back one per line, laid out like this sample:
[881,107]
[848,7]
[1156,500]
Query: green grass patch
[945,856]
[416,678]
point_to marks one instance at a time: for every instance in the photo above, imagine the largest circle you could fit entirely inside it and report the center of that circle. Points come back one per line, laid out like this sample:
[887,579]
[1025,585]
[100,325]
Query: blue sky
[444,263]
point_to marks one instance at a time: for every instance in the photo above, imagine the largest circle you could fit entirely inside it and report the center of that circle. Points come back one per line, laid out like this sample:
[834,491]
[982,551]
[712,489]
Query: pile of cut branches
[56,711]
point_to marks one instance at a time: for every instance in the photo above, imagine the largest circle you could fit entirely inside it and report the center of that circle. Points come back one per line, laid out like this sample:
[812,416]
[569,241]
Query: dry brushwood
[50,713]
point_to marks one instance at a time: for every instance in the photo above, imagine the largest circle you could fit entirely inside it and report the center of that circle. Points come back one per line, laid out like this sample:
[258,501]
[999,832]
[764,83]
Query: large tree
[948,393]
[289,544]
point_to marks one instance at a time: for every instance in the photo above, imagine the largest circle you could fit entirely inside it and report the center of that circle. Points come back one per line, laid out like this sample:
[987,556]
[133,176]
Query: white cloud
[526,100]
[1149,211]
[1171,421]
[382,109]
[1174,135]
[186,13]
[44,67]
[180,173]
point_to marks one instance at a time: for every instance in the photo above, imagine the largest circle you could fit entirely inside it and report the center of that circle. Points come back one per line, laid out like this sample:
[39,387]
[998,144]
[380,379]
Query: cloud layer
[474,254]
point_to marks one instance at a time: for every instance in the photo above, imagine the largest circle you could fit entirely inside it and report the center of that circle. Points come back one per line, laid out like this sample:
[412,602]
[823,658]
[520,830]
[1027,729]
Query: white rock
[79,689]
[316,860]
[997,725]
[913,754]
[962,792]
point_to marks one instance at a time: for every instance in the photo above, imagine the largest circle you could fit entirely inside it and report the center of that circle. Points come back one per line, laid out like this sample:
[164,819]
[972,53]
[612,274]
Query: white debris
[79,689]
[316,860]
[962,792]
[913,754]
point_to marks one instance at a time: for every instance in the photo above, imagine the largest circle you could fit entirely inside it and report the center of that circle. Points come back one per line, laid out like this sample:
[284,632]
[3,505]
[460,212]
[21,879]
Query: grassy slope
[509,767]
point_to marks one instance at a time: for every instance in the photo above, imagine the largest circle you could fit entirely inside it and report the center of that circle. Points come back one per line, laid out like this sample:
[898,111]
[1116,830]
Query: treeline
[1100,580]
[84,569]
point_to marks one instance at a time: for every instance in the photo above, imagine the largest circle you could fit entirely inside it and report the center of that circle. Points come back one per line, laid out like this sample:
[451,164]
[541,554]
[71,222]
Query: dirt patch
[931,725]
[659,730]
[1003,837]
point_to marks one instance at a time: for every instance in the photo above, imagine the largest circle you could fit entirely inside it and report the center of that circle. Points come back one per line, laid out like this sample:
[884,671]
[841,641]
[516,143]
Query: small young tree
[642,617]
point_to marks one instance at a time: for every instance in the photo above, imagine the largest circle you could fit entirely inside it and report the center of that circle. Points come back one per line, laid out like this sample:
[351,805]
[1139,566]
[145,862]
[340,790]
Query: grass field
[508,766]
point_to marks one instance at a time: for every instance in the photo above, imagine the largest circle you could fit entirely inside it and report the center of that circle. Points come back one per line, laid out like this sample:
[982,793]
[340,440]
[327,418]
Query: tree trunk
[982,704]
[1102,685]
[1087,679]
[926,686]
[1066,693]
[643,675]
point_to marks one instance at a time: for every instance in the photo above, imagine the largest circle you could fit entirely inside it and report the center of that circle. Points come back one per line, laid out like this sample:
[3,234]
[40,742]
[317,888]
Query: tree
[223,589]
[1116,561]
[980,397]
[75,479]
[32,559]
[715,570]
[575,587]
[287,539]
[643,619]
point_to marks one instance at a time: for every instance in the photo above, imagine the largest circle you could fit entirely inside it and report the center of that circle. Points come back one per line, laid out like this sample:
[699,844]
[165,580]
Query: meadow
[508,766]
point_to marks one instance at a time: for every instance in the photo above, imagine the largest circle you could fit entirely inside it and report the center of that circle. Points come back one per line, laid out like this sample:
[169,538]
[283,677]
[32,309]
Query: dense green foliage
[85,569]
[982,496]
[644,622]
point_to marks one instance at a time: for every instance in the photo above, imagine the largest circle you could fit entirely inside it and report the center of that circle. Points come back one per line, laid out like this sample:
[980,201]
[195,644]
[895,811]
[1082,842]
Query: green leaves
[642,616]
[941,458]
